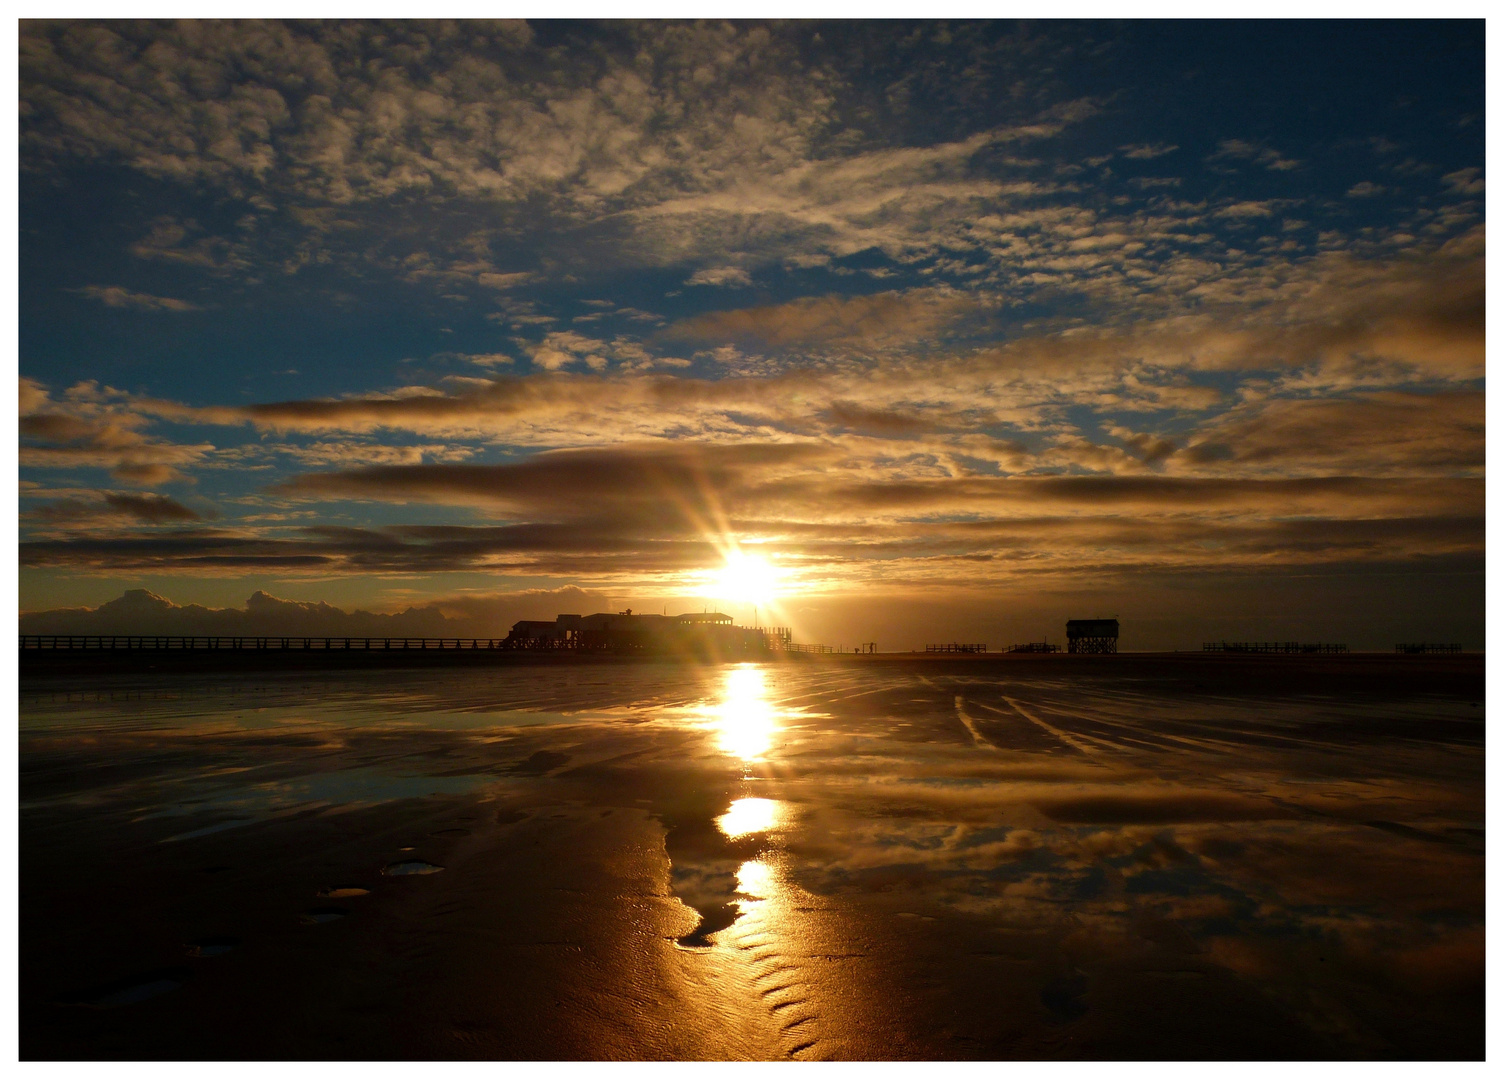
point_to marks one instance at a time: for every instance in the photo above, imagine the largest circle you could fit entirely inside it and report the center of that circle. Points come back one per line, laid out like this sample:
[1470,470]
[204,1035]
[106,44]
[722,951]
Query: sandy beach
[1178,857]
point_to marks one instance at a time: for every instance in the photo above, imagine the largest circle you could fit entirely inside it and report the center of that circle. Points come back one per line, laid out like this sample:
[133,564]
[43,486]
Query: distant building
[699,635]
[1091,635]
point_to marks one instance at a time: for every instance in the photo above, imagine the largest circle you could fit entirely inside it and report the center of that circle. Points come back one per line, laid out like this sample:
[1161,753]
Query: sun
[746,579]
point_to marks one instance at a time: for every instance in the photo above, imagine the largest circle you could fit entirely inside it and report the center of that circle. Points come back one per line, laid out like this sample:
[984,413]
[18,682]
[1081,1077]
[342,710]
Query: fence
[149,641]
[1270,647]
[952,646]
[1034,646]
[777,641]
[1426,647]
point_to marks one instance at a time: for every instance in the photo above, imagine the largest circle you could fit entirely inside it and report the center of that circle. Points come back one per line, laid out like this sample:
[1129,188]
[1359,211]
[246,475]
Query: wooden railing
[158,641]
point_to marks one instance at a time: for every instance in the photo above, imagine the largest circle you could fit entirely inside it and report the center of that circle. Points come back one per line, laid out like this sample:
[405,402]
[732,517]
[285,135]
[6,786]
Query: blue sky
[925,313]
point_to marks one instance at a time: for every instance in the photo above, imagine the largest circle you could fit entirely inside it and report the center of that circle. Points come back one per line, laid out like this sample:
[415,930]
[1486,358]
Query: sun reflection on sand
[744,719]
[756,879]
[748,816]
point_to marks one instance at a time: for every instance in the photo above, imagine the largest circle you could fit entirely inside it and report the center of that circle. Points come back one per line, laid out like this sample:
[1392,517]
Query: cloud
[1257,153]
[672,144]
[901,365]
[1150,449]
[1247,209]
[920,368]
[357,452]
[1365,189]
[98,427]
[155,509]
[882,320]
[884,423]
[1147,151]
[1149,183]
[479,614]
[504,281]
[681,481]
[118,297]
[655,518]
[562,348]
[111,508]
[1385,433]
[334,114]
[663,508]
[727,276]
[1464,181]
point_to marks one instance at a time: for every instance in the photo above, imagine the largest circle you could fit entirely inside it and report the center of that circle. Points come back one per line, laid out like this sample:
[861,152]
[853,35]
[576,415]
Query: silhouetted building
[1091,635]
[709,635]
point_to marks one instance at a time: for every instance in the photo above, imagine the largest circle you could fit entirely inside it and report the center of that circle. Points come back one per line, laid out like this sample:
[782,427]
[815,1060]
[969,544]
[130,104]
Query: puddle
[129,991]
[340,892]
[212,946]
[410,867]
[322,915]
[708,886]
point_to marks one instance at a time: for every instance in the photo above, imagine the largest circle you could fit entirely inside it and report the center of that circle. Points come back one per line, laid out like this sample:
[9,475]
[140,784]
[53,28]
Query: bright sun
[746,579]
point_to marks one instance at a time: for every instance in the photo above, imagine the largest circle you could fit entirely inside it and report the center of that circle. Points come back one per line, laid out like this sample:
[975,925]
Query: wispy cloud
[1147,151]
[1230,150]
[117,296]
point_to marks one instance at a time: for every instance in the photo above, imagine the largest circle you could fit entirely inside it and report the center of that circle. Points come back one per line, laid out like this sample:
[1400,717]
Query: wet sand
[899,858]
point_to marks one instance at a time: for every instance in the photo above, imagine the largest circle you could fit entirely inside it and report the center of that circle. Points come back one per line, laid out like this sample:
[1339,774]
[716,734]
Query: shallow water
[885,860]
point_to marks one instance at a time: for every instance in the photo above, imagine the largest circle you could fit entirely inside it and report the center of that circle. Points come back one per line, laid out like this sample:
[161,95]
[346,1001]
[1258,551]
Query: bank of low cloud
[140,611]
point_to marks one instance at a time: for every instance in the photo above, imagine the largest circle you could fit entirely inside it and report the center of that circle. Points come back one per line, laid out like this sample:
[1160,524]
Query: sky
[928,331]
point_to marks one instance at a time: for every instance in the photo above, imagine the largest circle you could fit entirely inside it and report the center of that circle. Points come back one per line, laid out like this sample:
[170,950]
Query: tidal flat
[844,858]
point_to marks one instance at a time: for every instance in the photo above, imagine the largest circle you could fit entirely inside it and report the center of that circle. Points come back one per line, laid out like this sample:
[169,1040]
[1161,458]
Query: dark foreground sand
[1130,857]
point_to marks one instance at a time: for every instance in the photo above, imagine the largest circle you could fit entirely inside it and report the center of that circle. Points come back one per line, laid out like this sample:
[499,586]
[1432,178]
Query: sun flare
[746,579]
